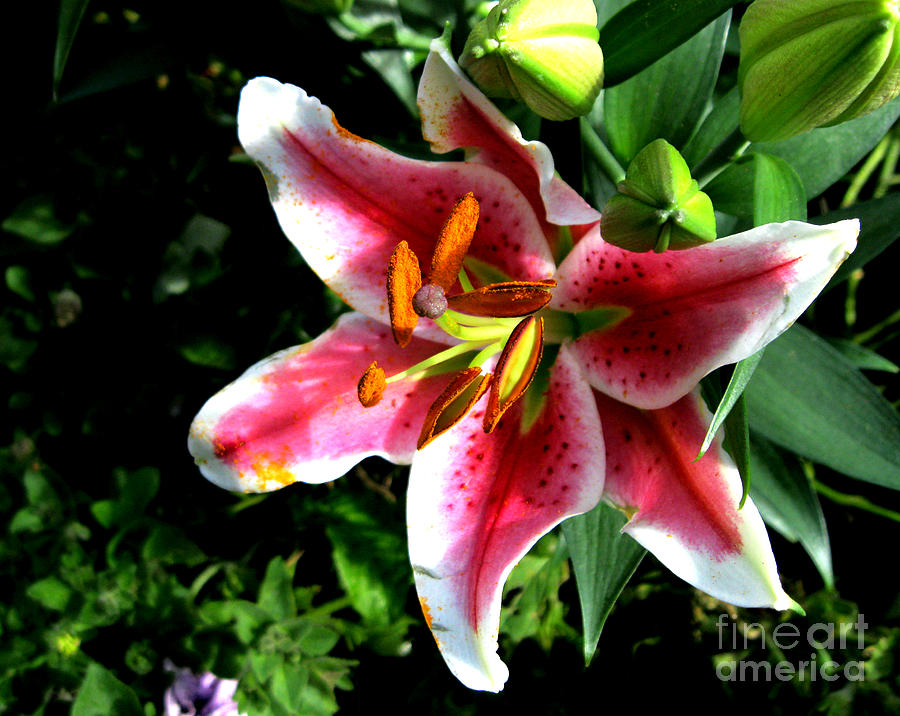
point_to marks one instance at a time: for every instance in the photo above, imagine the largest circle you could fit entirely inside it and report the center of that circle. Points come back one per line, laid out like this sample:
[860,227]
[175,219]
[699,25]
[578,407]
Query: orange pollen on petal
[371,386]
[347,134]
[426,611]
[404,278]
[453,243]
[268,470]
[452,405]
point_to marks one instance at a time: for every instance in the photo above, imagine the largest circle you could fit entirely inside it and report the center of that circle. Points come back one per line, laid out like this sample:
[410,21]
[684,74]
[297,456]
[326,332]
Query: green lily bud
[540,52]
[814,63]
[658,206]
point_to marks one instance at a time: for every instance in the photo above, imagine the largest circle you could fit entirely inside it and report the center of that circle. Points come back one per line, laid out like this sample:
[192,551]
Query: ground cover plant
[145,269]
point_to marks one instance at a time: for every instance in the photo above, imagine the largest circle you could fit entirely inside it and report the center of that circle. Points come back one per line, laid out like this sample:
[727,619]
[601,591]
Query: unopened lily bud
[814,63]
[540,52]
[658,206]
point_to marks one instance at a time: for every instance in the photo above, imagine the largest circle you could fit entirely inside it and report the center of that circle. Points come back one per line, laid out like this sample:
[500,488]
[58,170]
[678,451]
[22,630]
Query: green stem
[865,172]
[720,158]
[486,353]
[434,360]
[857,501]
[866,336]
[886,177]
[464,281]
[600,152]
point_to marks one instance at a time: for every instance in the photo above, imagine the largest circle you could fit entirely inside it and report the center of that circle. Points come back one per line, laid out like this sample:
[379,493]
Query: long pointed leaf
[807,397]
[603,559]
[70,14]
[667,99]
[645,30]
[788,503]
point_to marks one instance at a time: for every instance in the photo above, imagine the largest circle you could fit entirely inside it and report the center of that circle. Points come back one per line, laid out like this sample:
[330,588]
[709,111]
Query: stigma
[487,321]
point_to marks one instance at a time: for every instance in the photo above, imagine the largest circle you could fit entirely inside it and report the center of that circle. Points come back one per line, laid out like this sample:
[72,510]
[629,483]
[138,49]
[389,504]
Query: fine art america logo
[819,639]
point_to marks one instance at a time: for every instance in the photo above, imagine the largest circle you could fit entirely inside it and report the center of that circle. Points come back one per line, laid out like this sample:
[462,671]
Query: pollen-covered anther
[452,405]
[430,301]
[404,279]
[504,300]
[453,243]
[371,386]
[515,369]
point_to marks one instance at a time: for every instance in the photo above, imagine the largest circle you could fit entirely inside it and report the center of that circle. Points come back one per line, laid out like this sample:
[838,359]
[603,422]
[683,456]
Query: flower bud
[540,52]
[814,63]
[658,206]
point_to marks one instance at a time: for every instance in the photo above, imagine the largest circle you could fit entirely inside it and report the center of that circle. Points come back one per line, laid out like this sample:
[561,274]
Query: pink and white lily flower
[613,411]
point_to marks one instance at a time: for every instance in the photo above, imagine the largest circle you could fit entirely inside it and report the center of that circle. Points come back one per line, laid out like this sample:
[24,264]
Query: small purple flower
[204,695]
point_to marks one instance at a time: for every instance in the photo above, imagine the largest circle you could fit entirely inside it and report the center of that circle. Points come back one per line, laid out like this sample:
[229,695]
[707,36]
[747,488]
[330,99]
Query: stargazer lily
[612,410]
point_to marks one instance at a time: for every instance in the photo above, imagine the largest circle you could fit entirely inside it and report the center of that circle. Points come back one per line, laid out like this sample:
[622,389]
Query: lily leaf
[809,398]
[759,186]
[740,377]
[789,504]
[632,40]
[70,14]
[879,222]
[667,99]
[604,558]
[824,155]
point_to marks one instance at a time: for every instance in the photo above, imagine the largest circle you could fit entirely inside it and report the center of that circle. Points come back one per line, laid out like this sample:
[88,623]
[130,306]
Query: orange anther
[504,300]
[403,280]
[371,386]
[515,369]
[452,405]
[453,243]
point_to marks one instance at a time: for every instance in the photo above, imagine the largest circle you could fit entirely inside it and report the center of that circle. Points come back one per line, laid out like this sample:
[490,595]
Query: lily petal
[686,512]
[477,503]
[295,416]
[345,202]
[692,311]
[456,114]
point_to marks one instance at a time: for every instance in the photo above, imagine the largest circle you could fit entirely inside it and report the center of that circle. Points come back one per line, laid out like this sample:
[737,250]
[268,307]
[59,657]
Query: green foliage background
[144,269]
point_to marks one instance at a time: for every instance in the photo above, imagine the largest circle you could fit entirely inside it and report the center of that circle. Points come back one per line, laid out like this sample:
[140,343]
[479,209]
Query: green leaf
[668,98]
[806,396]
[317,640]
[778,193]
[394,68]
[862,357]
[788,503]
[168,544]
[102,694]
[276,593]
[70,14]
[645,30]
[35,219]
[879,227]
[604,558]
[740,377]
[822,156]
[18,280]
[208,351]
[535,610]
[50,593]
[717,126]
[370,560]
[758,186]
